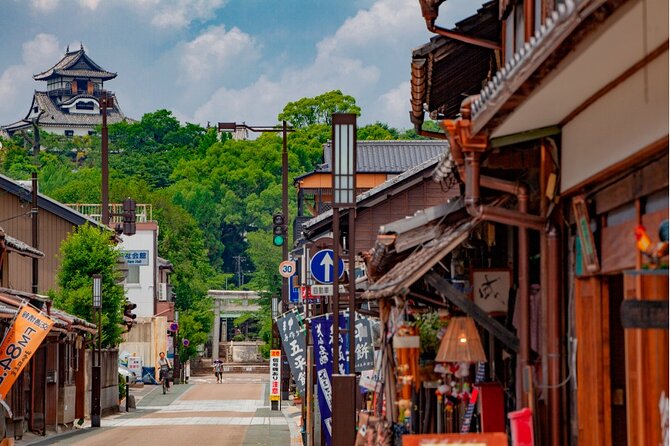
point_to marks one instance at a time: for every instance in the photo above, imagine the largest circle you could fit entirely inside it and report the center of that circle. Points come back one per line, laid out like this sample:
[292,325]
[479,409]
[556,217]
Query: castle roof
[53,115]
[75,64]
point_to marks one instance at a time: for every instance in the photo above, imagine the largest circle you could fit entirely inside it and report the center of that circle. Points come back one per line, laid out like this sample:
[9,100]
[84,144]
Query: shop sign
[644,314]
[364,347]
[326,290]
[136,257]
[25,335]
[322,334]
[293,340]
[275,375]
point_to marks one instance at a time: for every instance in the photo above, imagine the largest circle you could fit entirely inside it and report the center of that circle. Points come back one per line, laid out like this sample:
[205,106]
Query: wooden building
[575,103]
[54,388]
[403,195]
[377,162]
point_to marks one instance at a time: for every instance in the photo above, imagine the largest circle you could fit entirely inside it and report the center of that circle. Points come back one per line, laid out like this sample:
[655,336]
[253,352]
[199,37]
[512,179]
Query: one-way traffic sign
[322,266]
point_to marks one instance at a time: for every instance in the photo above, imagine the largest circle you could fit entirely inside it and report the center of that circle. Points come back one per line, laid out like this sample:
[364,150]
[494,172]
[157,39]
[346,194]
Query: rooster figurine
[655,251]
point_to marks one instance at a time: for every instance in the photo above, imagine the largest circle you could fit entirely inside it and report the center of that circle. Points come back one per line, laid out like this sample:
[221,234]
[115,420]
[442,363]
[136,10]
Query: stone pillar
[216,333]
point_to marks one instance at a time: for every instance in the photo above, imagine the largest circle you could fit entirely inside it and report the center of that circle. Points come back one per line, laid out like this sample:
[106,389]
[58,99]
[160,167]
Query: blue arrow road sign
[322,266]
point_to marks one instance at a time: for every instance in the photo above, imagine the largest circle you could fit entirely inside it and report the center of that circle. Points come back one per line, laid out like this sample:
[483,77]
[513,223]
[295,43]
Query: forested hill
[213,196]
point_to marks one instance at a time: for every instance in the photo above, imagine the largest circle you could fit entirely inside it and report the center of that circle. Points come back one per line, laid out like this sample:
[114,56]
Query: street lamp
[284,129]
[96,367]
[343,165]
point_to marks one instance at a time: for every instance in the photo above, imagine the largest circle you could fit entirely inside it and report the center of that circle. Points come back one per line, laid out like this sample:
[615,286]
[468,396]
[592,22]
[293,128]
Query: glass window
[133,274]
[69,132]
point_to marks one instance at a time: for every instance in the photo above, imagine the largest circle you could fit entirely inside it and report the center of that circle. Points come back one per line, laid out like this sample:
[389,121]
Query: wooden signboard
[585,234]
[644,314]
[493,439]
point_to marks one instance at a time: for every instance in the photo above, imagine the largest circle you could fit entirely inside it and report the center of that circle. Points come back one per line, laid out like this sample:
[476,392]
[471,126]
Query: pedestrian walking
[218,370]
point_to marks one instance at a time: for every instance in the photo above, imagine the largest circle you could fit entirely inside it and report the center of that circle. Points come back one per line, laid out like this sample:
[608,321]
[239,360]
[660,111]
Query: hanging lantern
[461,342]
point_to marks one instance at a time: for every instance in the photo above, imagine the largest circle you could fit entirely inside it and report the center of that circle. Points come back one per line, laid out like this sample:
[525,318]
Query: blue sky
[223,60]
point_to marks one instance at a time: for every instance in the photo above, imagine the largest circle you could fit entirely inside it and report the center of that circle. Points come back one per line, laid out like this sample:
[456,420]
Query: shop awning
[418,265]
[398,280]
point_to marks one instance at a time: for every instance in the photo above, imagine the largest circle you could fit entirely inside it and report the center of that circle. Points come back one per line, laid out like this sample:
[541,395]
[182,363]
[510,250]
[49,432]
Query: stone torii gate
[229,304]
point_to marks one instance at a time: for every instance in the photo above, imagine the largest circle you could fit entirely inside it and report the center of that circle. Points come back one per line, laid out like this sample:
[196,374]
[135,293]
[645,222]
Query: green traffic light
[278,240]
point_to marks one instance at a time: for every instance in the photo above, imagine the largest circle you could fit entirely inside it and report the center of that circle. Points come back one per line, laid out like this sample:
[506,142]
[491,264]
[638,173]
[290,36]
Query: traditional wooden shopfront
[590,87]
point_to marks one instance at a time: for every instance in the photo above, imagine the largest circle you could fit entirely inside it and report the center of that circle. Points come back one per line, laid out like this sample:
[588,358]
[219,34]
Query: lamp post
[284,130]
[96,367]
[343,162]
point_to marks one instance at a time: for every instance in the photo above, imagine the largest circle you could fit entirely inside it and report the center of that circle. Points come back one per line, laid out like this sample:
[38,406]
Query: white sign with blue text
[322,266]
[136,257]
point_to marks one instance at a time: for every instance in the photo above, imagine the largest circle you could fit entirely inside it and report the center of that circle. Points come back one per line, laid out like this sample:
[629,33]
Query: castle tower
[70,105]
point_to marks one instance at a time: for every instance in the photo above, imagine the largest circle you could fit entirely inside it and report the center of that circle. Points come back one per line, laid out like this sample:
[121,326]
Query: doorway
[615,287]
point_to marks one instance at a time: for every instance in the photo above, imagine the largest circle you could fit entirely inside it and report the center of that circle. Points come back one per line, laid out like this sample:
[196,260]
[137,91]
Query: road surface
[235,412]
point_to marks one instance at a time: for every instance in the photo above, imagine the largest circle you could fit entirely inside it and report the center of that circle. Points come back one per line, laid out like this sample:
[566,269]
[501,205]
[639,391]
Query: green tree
[87,251]
[318,110]
[195,325]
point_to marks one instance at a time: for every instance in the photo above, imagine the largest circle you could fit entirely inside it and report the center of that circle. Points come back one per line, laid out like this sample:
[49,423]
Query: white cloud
[177,13]
[16,81]
[368,57]
[393,106]
[90,4]
[42,6]
[214,52]
[160,13]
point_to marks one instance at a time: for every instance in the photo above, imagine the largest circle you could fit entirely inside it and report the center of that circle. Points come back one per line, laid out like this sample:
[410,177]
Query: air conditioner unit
[163,292]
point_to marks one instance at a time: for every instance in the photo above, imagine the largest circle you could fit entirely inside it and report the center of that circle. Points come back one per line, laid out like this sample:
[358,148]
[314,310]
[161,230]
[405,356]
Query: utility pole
[284,129]
[238,269]
[105,101]
[34,210]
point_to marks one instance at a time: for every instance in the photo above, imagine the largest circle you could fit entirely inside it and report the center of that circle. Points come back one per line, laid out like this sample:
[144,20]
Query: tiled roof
[439,82]
[44,202]
[53,115]
[381,188]
[405,273]
[76,64]
[392,156]
[522,64]
[20,247]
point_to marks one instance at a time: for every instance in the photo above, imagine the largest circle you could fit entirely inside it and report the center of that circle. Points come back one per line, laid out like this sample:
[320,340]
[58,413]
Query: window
[69,132]
[133,274]
[515,26]
[91,132]
[85,105]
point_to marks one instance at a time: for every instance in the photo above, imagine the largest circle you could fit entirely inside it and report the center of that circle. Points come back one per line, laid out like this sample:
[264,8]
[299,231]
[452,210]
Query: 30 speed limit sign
[287,268]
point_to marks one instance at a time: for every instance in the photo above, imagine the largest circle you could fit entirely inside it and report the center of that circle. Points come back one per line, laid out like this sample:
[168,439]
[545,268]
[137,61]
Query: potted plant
[297,398]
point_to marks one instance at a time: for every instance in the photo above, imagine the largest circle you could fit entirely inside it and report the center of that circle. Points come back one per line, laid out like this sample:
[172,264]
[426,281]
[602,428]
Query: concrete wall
[146,339]
[144,292]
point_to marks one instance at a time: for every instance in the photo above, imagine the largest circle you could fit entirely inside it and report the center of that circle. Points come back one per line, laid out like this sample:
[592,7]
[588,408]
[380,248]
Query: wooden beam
[529,135]
[446,289]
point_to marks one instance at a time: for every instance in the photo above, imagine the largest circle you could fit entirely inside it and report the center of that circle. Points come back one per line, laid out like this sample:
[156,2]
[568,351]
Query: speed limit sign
[287,268]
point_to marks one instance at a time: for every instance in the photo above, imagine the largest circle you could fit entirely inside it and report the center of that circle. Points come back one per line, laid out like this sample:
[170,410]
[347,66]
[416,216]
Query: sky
[223,60]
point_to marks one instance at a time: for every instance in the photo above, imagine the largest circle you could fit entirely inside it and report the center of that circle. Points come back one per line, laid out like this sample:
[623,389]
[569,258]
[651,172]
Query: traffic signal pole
[233,127]
[284,249]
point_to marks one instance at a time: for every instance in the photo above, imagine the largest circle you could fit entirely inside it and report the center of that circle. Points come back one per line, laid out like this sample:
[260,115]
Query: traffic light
[128,312]
[279,229]
[129,216]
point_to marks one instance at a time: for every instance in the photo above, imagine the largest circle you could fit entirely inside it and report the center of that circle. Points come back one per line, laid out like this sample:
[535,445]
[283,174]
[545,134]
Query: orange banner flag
[29,329]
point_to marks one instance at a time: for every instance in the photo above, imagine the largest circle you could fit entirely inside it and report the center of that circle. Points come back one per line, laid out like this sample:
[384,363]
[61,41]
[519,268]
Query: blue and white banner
[322,334]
